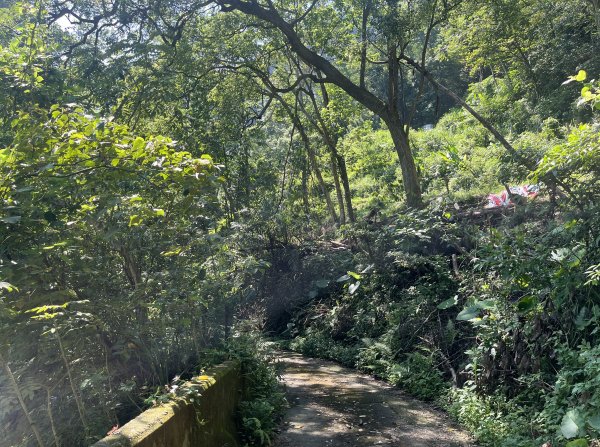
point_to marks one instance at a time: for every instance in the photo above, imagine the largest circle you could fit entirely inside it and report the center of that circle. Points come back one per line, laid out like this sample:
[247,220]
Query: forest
[408,187]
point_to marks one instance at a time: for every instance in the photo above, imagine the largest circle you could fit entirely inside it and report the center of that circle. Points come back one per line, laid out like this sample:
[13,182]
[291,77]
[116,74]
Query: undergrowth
[472,320]
[263,401]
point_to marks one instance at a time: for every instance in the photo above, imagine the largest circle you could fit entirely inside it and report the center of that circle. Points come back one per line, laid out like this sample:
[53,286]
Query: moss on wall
[209,421]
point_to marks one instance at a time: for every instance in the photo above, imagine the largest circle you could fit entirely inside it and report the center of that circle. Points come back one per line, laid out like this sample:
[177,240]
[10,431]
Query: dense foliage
[176,177]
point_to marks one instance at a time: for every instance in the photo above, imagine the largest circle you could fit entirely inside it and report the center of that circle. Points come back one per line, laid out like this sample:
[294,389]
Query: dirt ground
[333,406]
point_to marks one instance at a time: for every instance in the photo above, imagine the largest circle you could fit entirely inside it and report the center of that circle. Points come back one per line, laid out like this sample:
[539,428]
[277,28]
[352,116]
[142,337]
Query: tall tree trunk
[305,200]
[74,387]
[315,168]
[312,158]
[363,43]
[410,176]
[338,188]
[346,185]
[596,13]
[331,143]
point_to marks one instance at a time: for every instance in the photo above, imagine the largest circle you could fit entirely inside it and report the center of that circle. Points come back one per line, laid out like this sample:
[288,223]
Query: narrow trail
[333,406]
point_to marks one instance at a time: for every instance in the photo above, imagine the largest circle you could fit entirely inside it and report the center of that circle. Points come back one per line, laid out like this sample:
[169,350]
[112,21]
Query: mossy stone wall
[207,422]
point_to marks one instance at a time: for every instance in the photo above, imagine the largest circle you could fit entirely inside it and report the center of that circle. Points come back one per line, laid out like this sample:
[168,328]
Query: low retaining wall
[208,422]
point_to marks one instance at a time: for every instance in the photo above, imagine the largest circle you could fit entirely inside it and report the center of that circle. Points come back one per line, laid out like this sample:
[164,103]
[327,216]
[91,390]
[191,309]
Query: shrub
[264,400]
[419,375]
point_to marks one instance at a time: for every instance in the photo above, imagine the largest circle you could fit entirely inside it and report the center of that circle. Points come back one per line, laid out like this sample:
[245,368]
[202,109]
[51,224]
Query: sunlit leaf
[469,313]
[571,424]
[353,287]
[7,286]
[450,302]
[581,76]
[135,220]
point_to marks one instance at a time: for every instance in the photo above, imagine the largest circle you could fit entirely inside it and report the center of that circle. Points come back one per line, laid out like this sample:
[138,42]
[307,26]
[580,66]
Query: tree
[381,32]
[393,24]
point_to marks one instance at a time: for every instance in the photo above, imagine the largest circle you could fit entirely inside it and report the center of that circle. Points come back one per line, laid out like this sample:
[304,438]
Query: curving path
[333,406]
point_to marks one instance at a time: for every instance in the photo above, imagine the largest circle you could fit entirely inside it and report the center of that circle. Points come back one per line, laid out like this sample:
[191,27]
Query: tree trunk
[410,176]
[596,12]
[74,387]
[331,143]
[305,200]
[346,185]
[315,168]
[338,188]
[363,43]
[312,158]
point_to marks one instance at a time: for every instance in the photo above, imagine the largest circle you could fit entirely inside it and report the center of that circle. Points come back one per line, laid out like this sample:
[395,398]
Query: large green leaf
[135,220]
[10,219]
[526,303]
[571,424]
[450,302]
[469,313]
[484,304]
[581,76]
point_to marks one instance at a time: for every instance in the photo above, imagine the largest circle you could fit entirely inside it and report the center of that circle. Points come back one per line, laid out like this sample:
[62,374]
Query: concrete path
[333,406]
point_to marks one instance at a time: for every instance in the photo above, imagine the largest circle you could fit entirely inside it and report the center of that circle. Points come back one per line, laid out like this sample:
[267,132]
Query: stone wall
[207,422]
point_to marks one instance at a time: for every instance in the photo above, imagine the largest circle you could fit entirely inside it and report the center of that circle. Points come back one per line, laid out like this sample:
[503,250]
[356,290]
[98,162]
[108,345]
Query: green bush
[264,400]
[322,346]
[572,408]
[419,375]
[374,358]
[482,416]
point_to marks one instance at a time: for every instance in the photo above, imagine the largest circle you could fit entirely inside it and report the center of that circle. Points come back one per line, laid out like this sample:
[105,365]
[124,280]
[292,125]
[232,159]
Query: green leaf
[138,146]
[526,303]
[7,286]
[135,220]
[594,422]
[10,219]
[353,287]
[322,283]
[354,275]
[159,212]
[448,303]
[485,304]
[469,313]
[58,244]
[571,423]
[135,198]
[581,321]
[581,76]
[172,252]
[581,442]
